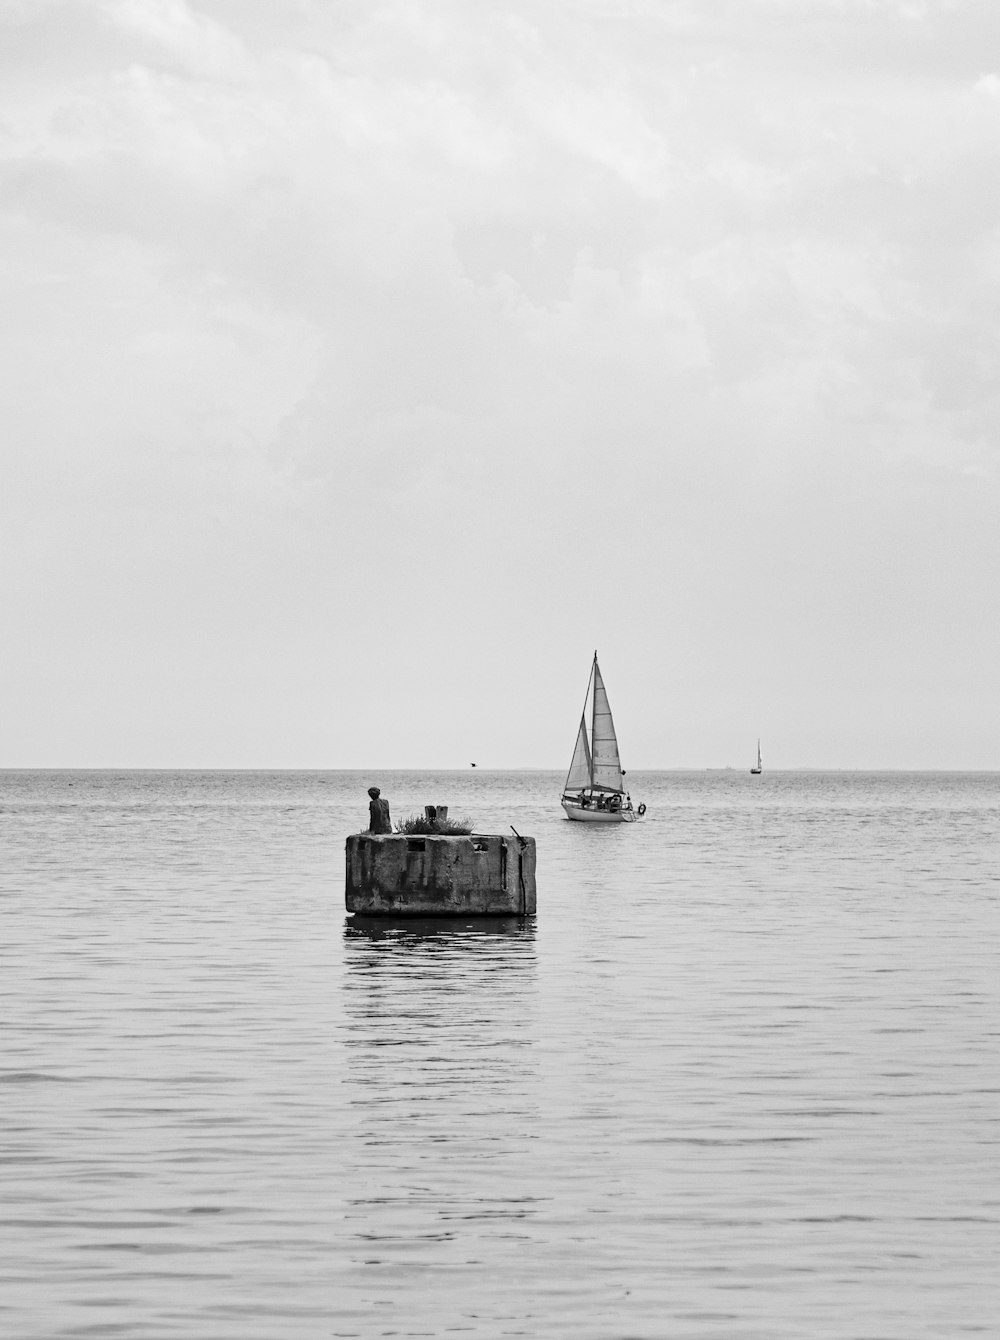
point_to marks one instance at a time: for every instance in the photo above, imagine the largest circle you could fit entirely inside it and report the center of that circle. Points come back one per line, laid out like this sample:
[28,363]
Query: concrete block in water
[421,876]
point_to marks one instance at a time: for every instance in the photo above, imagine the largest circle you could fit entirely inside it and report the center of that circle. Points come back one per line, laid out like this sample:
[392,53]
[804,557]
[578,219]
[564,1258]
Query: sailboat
[755,772]
[595,784]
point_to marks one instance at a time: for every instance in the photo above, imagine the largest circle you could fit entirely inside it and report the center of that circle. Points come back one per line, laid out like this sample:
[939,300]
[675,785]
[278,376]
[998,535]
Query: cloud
[988,85]
[370,174]
[201,45]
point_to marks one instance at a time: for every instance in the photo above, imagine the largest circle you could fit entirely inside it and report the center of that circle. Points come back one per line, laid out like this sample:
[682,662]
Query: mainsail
[579,769]
[606,766]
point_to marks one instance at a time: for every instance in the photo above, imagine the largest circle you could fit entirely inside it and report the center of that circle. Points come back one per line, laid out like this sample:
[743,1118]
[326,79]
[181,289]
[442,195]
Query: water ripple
[739,1079]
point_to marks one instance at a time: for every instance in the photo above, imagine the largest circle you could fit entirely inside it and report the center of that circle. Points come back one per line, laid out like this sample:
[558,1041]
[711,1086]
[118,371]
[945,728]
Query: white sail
[596,771]
[606,769]
[579,769]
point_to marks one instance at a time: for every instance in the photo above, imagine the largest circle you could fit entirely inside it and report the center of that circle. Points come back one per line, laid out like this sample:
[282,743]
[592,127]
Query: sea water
[739,1078]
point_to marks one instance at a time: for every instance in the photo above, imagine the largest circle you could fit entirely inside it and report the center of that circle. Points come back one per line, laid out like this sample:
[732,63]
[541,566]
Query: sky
[369,363]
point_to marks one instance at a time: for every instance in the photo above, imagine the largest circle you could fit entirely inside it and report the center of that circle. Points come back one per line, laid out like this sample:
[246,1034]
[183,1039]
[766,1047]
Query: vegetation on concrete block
[419,823]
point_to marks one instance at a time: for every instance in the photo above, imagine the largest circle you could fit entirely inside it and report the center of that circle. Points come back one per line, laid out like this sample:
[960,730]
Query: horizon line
[675,768]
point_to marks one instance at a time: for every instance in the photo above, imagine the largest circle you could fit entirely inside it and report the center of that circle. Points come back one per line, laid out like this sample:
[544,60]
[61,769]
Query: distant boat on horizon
[755,772]
[595,784]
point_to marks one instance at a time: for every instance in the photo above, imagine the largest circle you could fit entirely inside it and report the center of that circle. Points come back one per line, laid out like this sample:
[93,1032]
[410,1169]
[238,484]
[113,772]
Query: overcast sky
[368,364]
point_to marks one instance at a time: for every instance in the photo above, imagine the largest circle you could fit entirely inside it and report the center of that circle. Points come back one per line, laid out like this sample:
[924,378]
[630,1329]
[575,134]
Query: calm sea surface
[740,1077]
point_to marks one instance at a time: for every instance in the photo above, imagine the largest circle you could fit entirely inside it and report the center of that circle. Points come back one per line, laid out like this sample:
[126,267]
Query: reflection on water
[440,1036]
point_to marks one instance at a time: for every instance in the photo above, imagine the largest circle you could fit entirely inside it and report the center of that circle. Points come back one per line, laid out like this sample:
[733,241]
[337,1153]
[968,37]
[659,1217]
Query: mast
[594,671]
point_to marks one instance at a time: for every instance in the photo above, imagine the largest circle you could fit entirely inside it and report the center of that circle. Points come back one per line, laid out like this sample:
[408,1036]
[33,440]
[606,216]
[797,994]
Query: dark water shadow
[414,931]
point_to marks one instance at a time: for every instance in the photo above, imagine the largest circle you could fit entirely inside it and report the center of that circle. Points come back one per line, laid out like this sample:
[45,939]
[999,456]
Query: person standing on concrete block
[378,813]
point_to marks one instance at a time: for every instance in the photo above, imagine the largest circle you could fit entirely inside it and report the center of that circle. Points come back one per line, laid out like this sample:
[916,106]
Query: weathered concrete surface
[482,875]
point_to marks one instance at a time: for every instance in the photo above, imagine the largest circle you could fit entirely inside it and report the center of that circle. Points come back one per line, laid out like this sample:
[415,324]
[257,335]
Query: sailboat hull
[590,815]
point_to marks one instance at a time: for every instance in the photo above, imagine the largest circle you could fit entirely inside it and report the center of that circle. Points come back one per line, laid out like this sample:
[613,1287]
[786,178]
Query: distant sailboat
[595,785]
[755,772]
